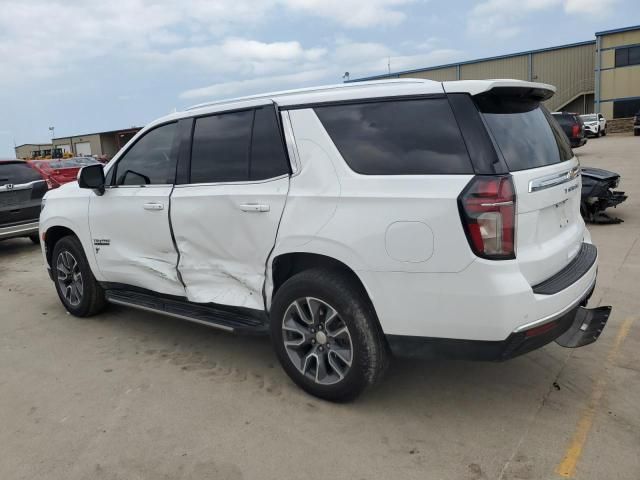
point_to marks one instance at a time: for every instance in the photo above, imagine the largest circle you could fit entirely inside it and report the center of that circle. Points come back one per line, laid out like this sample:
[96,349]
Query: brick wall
[620,125]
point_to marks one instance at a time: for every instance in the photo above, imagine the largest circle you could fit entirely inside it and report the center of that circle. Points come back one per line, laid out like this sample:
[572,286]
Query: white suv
[352,222]
[594,124]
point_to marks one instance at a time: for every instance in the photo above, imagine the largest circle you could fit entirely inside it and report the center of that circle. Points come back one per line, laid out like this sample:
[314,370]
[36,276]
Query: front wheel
[326,335]
[77,288]
[604,132]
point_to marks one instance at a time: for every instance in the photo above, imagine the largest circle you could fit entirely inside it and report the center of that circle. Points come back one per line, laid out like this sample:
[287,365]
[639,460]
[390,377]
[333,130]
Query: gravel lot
[132,395]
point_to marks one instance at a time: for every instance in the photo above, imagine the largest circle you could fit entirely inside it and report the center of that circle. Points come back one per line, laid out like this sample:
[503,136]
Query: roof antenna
[389,65]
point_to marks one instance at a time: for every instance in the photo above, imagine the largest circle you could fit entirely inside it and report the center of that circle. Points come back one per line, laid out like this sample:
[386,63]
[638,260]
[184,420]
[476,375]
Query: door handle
[153,206]
[254,207]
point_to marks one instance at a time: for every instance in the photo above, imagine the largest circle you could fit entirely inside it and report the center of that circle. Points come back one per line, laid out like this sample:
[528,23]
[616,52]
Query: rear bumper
[577,327]
[21,230]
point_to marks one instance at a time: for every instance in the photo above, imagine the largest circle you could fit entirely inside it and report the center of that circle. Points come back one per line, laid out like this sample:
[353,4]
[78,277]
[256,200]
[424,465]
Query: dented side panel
[132,241]
[225,233]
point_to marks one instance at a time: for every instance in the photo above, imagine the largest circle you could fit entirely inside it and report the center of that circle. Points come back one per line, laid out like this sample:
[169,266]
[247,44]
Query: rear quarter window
[399,137]
[17,173]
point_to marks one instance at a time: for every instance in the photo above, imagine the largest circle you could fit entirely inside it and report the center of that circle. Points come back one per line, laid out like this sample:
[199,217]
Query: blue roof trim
[469,62]
[618,30]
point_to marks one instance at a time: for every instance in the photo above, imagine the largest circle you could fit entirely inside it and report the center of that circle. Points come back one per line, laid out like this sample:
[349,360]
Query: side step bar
[230,319]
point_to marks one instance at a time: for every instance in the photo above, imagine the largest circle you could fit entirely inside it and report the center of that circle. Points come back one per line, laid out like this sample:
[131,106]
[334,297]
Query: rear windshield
[17,173]
[399,137]
[526,134]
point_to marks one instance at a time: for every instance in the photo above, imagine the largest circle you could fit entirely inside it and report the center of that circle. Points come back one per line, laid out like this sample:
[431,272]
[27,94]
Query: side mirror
[92,176]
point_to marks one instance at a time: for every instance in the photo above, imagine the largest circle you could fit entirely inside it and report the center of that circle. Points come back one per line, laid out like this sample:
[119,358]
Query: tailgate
[546,178]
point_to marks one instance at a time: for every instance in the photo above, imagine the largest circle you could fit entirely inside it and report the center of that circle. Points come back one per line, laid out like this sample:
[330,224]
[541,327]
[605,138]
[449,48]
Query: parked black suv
[21,192]
[573,127]
[636,124]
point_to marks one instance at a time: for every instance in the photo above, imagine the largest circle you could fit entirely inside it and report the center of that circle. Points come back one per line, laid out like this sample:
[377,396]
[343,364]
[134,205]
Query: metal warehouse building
[101,143]
[601,75]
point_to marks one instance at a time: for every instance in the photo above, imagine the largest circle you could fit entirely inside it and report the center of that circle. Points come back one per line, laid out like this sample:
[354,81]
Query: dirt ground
[132,395]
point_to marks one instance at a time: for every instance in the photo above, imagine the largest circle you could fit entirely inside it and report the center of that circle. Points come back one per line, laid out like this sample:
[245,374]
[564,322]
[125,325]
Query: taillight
[575,130]
[488,211]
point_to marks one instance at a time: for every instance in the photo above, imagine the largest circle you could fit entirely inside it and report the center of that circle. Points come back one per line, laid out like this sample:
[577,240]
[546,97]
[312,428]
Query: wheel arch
[52,235]
[285,265]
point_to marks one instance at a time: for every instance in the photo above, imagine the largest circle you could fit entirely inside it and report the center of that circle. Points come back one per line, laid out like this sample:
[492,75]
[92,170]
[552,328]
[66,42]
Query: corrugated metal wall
[512,67]
[439,75]
[570,70]
[621,38]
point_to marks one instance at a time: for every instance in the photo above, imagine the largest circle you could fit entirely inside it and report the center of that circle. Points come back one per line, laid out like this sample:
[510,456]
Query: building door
[83,149]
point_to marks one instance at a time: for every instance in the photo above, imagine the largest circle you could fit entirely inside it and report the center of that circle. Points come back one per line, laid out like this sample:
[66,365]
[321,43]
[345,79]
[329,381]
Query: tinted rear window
[17,173]
[528,137]
[404,137]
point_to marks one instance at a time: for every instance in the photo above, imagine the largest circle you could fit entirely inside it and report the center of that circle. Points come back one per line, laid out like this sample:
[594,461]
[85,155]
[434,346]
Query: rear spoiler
[511,88]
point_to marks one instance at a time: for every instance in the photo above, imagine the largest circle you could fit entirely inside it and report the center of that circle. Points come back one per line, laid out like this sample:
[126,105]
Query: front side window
[403,137]
[150,160]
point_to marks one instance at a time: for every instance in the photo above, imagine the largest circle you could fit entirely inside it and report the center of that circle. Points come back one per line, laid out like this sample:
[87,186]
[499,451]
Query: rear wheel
[326,335]
[35,238]
[77,288]
[604,132]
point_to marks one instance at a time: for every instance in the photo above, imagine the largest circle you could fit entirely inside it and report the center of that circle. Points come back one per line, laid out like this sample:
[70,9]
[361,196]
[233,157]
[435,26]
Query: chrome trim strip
[7,232]
[553,180]
[19,186]
[290,140]
[169,314]
[556,315]
[497,204]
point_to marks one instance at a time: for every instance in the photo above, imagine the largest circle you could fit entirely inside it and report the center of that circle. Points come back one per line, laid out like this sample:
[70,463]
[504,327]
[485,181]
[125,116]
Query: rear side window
[17,173]
[525,133]
[150,161]
[220,151]
[268,158]
[238,146]
[403,137]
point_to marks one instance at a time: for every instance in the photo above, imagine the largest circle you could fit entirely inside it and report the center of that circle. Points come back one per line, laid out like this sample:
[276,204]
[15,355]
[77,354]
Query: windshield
[589,118]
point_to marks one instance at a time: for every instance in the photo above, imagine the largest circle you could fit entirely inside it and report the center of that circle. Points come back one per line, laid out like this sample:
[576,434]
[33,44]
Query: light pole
[53,131]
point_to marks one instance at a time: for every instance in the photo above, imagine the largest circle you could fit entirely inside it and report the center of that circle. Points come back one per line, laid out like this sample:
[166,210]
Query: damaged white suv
[352,222]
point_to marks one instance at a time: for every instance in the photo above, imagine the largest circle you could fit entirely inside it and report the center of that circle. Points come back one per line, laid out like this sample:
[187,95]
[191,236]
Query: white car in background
[594,124]
[351,222]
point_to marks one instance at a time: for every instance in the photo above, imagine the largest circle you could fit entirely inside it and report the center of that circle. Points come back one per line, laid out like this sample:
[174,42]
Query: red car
[59,172]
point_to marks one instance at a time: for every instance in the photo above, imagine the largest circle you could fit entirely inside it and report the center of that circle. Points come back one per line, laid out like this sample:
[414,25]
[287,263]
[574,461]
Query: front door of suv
[225,215]
[129,224]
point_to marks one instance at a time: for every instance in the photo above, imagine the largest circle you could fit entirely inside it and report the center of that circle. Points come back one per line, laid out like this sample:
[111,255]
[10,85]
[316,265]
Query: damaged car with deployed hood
[598,194]
[351,222]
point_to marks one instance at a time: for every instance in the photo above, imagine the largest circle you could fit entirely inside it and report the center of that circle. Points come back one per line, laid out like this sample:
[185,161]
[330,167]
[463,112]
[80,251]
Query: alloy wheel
[317,340]
[69,278]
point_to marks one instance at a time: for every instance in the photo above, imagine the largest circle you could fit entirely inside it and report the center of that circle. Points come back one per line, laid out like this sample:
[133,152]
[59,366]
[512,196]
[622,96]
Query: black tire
[604,132]
[636,132]
[35,238]
[369,352]
[90,300]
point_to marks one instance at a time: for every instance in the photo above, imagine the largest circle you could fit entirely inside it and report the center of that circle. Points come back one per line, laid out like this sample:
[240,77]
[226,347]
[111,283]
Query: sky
[87,66]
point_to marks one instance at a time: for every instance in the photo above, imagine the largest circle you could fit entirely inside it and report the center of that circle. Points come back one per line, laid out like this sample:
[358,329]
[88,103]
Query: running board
[230,319]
